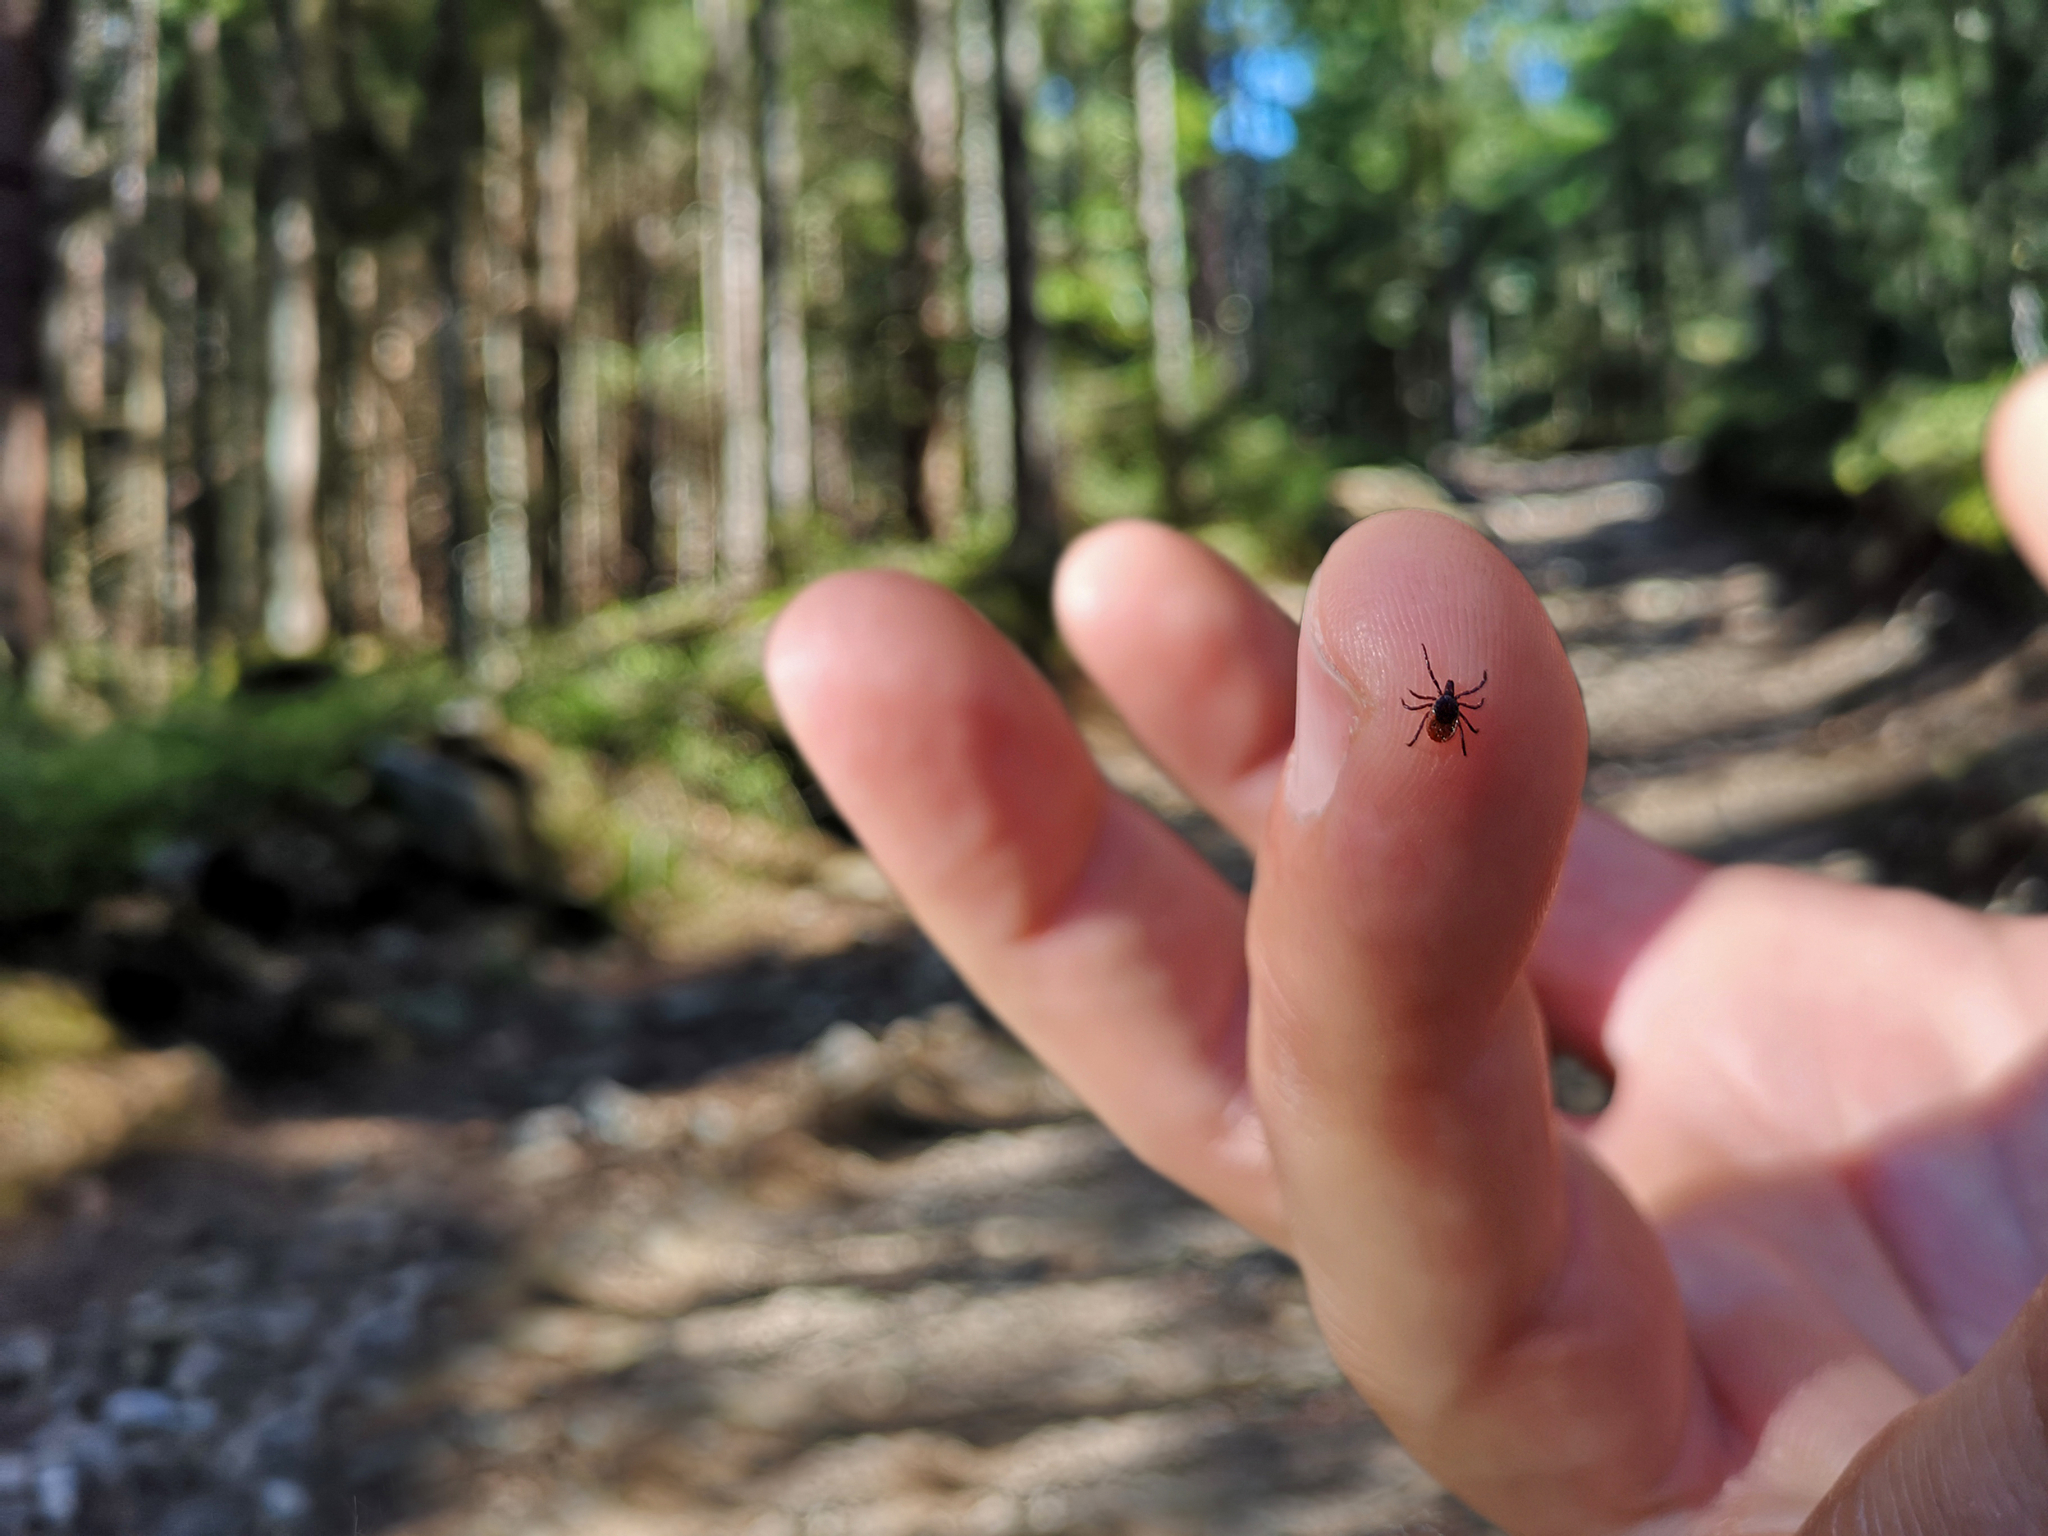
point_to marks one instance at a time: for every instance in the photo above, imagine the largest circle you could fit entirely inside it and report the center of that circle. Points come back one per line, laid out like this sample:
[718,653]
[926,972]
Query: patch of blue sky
[1258,130]
[1541,76]
[1261,80]
[1055,98]
[1283,77]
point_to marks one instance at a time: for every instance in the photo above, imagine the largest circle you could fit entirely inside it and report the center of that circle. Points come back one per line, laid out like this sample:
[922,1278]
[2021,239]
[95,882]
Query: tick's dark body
[1447,709]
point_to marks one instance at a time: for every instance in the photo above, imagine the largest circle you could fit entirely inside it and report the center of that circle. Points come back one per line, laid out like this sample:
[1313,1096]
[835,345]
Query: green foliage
[1924,441]
[692,706]
[1738,224]
[80,815]
[1257,472]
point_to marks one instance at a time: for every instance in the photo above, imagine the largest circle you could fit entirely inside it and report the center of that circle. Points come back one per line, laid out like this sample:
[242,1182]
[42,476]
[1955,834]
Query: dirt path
[798,1245]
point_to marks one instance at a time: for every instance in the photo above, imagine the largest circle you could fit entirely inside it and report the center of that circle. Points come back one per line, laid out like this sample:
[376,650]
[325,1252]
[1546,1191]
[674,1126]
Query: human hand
[1810,1206]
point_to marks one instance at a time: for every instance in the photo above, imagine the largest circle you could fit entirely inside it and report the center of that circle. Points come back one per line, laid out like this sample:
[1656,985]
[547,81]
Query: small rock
[616,1115]
[24,1357]
[472,818]
[544,1145]
[141,1411]
[545,1127]
[847,1059]
[57,1487]
[198,1363]
[284,1502]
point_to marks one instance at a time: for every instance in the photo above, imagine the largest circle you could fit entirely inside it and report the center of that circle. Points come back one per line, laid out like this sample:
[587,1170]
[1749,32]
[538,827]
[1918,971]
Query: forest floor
[754,1224]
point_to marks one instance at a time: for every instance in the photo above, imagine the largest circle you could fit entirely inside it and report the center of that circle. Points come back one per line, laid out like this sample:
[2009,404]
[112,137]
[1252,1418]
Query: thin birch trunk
[1035,541]
[790,475]
[385,591]
[78,348]
[295,614]
[507,474]
[734,319]
[134,528]
[1160,217]
[452,89]
[989,424]
[295,618]
[25,100]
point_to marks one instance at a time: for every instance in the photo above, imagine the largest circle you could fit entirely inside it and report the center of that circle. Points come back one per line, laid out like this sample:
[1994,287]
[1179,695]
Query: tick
[1447,710]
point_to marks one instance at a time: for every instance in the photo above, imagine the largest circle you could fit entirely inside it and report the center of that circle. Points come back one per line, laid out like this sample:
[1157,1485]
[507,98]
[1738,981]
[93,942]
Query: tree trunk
[831,377]
[134,530]
[25,99]
[385,592]
[790,475]
[1163,224]
[1035,542]
[78,402]
[989,425]
[633,284]
[507,474]
[925,178]
[733,318]
[452,88]
[220,602]
[295,617]
[565,542]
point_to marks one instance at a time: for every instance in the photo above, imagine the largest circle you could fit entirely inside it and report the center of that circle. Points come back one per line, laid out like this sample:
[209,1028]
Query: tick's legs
[1439,687]
[1418,732]
[1467,724]
[1430,705]
[1465,704]
[1476,687]
[1461,738]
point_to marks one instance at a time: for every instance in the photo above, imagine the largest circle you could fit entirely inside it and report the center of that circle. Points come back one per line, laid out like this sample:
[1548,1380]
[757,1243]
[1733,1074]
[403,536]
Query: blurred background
[457,1072]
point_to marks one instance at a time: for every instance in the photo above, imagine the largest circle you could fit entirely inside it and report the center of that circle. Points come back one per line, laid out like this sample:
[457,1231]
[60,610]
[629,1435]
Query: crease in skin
[1326,717]
[1056,908]
[1812,1438]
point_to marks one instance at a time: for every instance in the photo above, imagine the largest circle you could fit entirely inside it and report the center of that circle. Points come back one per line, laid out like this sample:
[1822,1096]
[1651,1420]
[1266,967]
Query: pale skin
[1786,1283]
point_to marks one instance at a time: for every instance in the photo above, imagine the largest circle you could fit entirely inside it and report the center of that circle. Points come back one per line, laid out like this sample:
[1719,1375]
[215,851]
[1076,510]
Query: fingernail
[1325,714]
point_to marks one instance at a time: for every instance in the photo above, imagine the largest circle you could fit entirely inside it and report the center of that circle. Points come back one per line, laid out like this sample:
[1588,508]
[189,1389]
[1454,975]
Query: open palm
[1810,1205]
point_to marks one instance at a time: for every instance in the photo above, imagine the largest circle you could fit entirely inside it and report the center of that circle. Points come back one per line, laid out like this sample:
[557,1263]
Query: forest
[375,331]
[434,320]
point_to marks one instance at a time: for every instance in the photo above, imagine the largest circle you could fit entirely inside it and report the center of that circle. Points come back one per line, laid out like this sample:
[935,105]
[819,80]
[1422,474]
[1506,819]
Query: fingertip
[1405,604]
[1082,586]
[2016,467]
[1194,656]
[792,653]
